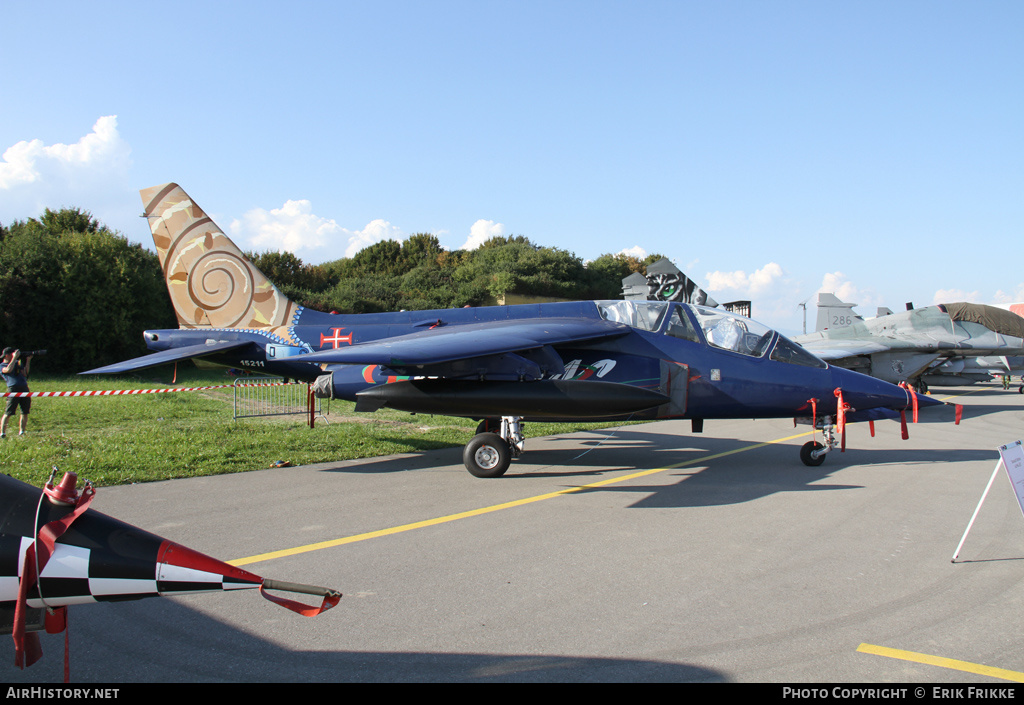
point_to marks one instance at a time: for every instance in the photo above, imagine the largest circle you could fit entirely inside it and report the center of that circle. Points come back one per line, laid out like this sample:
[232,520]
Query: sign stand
[1011,457]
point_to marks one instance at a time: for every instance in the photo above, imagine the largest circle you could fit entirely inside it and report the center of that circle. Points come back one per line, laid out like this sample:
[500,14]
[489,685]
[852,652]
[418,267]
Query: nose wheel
[812,453]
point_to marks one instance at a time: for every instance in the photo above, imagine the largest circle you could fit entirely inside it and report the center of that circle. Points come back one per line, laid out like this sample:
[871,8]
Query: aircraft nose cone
[862,392]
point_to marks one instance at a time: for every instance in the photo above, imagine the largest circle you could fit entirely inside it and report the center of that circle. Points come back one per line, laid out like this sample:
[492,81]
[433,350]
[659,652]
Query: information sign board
[1013,460]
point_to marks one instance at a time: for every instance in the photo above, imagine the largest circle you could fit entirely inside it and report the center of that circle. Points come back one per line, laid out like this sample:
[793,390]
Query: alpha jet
[501,365]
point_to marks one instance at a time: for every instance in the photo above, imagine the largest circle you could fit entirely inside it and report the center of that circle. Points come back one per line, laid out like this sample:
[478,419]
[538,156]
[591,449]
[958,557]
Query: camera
[34,353]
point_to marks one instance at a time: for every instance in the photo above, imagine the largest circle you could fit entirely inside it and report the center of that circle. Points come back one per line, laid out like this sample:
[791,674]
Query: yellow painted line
[966,666]
[962,394]
[494,508]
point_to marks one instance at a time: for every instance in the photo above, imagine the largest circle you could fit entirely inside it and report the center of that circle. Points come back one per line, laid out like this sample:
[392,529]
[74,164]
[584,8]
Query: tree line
[72,286]
[419,274]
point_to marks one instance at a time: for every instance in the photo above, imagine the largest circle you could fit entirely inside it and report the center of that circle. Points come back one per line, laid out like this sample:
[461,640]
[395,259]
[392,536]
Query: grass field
[115,440]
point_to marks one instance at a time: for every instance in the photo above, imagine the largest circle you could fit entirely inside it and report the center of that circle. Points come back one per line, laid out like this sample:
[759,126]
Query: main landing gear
[496,442]
[813,453]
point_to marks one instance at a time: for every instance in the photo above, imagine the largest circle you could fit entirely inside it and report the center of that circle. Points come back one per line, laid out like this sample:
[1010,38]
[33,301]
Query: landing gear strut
[494,446]
[813,453]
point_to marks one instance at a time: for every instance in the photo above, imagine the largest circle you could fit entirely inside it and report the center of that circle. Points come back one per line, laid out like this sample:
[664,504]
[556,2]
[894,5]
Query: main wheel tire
[807,458]
[487,455]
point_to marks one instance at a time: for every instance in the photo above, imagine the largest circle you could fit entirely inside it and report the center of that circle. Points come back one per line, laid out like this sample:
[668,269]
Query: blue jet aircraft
[501,365]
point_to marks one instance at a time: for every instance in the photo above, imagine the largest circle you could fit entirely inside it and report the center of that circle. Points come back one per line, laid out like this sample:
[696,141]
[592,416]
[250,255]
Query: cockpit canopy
[718,328]
[645,315]
[731,332]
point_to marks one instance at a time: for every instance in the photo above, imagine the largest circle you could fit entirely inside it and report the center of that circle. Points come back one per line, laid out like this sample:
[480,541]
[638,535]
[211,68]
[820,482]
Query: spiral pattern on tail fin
[210,281]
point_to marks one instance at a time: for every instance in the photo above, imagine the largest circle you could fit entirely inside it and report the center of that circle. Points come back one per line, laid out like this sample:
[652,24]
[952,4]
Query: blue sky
[771,149]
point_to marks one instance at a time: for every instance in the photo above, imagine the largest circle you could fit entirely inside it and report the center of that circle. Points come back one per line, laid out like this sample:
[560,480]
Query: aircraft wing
[839,349]
[165,356]
[446,344]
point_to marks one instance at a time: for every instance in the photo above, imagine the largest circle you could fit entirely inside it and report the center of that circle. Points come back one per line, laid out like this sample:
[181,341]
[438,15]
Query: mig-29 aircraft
[950,344]
[501,365]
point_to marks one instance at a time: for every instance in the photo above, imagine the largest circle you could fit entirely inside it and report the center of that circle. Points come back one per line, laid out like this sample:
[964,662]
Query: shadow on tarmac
[162,640]
[732,479]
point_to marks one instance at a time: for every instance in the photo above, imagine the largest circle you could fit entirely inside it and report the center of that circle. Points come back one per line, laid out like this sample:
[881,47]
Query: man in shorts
[15,373]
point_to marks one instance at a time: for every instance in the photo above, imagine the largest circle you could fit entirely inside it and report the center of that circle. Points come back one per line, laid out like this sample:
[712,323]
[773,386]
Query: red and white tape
[114,392]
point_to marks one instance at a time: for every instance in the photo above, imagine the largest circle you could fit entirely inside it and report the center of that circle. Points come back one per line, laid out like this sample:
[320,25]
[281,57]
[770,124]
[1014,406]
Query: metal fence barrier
[269,396]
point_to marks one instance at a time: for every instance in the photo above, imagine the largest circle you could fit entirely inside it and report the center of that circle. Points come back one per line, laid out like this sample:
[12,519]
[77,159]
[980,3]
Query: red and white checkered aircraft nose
[98,558]
[55,551]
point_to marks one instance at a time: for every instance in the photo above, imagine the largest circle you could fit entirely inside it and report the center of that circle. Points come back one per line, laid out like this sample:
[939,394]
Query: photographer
[15,374]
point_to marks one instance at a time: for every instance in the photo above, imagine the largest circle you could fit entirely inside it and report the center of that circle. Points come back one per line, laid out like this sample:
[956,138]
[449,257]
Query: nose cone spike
[181,570]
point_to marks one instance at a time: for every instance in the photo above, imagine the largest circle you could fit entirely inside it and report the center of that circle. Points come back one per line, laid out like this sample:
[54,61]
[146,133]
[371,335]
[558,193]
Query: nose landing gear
[812,453]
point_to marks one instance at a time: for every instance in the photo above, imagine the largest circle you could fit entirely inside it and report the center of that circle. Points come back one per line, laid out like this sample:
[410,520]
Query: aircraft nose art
[863,392]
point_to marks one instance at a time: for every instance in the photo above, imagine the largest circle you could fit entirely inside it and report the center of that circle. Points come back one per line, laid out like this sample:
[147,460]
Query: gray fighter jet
[945,345]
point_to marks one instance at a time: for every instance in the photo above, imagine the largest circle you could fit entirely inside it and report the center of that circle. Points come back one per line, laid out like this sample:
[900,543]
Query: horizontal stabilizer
[172,355]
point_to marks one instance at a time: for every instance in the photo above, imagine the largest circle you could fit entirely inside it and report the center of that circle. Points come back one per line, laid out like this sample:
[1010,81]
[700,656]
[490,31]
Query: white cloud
[18,166]
[375,231]
[1003,297]
[91,174]
[838,284]
[947,296]
[295,228]
[30,162]
[635,251]
[760,281]
[291,228]
[481,232]
[866,301]
[771,292]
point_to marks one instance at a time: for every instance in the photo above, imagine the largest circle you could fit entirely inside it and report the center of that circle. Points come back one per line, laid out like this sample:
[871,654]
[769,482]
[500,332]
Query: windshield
[788,351]
[731,332]
[721,329]
[645,315]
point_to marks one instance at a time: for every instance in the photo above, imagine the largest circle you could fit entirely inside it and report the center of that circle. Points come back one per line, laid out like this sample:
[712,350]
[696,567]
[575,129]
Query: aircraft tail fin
[833,313]
[665,282]
[210,281]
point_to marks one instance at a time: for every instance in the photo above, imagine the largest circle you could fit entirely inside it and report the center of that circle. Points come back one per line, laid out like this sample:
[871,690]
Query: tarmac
[638,554]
